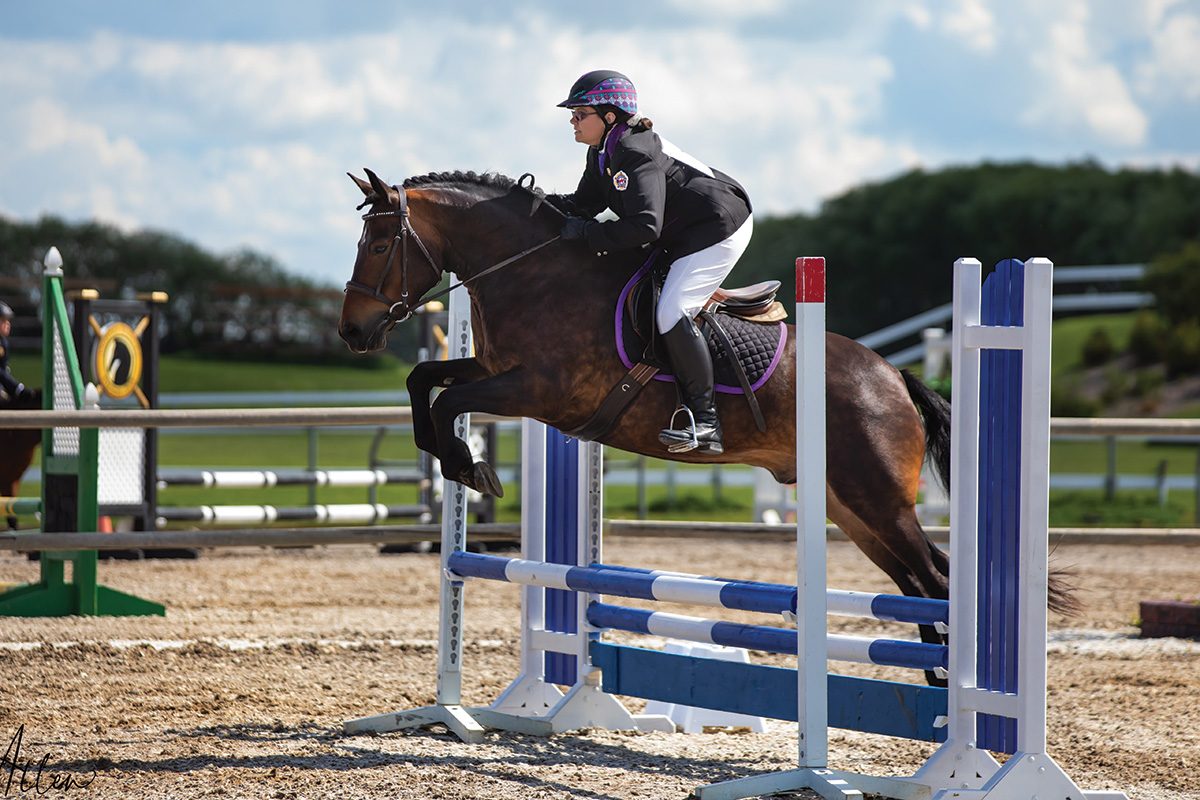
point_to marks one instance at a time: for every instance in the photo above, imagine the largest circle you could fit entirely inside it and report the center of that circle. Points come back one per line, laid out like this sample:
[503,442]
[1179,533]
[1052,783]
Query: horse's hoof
[484,479]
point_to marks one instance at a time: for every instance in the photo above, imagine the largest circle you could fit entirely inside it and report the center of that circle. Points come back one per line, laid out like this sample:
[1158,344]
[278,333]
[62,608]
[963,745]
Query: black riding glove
[575,227]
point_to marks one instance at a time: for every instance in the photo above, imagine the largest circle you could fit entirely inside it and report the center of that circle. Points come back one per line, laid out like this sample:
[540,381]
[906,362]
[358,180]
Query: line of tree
[215,301]
[889,247]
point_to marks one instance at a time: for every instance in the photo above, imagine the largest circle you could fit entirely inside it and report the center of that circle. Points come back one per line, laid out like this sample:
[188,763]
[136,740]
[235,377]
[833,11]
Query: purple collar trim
[610,143]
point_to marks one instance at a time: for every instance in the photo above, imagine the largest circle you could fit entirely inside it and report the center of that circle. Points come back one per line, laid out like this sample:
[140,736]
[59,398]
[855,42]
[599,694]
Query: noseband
[404,230]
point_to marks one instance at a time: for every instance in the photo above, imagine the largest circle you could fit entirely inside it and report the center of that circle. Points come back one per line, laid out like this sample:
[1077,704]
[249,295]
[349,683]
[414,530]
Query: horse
[17,446]
[544,349]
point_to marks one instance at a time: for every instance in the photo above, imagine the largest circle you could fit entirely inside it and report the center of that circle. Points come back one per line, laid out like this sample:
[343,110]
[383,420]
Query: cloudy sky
[233,123]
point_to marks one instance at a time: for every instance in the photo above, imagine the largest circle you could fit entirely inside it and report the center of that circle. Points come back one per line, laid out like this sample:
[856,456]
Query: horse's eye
[379,249]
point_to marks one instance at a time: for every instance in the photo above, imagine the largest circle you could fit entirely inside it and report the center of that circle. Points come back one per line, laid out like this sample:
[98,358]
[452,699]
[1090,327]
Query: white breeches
[693,278]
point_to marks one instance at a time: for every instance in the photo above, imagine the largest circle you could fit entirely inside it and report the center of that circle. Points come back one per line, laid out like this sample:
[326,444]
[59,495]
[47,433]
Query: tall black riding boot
[693,370]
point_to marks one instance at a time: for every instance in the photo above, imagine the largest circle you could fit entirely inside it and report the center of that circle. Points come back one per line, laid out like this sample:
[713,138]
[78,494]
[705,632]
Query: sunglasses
[578,115]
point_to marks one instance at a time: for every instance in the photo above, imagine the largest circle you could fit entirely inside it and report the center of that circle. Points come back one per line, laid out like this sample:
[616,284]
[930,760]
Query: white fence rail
[1081,301]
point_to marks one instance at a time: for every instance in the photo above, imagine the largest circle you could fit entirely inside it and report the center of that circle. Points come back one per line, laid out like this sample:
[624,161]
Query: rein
[404,230]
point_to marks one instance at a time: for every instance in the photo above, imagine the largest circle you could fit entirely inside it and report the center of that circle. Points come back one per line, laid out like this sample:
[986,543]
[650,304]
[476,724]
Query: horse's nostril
[349,331]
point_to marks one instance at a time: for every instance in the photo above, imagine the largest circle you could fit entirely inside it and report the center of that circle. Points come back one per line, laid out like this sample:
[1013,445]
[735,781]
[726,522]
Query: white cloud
[972,23]
[246,143]
[1172,69]
[1079,93]
[264,86]
[51,129]
[726,9]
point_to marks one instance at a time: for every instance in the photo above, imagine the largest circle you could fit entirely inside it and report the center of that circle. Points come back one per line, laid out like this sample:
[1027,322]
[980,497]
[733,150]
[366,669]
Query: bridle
[405,230]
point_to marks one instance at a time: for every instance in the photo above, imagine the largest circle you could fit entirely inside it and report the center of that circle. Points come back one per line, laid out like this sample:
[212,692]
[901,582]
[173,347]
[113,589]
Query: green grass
[191,373]
[1128,509]
[353,373]
[1070,334]
[342,449]
[1091,457]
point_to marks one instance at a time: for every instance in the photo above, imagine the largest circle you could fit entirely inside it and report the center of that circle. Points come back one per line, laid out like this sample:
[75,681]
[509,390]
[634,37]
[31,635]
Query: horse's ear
[363,185]
[382,190]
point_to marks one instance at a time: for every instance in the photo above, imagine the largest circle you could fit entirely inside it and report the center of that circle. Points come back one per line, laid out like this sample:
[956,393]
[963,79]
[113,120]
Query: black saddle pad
[758,345]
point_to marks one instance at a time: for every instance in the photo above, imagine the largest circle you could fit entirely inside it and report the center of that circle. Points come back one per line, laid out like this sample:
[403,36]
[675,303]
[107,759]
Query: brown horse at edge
[17,446]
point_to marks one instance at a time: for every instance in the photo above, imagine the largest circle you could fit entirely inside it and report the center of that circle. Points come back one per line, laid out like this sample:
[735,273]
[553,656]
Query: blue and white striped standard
[882,652]
[890,608]
[767,598]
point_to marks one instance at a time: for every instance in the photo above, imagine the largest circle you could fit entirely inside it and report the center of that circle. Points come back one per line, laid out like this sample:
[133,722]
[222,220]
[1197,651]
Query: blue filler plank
[857,704]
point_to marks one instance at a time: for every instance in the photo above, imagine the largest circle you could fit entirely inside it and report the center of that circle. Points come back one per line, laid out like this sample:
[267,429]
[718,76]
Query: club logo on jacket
[621,181]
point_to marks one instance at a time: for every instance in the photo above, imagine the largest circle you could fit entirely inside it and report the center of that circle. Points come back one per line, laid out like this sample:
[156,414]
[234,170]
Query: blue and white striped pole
[843,603]
[768,598]
[857,649]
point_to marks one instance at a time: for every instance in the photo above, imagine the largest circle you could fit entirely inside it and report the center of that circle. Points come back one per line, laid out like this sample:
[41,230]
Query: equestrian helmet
[603,87]
[5,311]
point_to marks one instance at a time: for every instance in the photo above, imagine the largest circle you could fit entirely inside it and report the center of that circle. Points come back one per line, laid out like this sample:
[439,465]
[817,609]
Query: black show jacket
[659,195]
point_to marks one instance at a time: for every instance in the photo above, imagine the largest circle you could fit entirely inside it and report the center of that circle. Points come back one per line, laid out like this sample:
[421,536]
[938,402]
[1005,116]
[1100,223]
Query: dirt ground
[242,689]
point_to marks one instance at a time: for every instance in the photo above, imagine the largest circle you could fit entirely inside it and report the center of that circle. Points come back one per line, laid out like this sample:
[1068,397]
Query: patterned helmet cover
[603,87]
[5,311]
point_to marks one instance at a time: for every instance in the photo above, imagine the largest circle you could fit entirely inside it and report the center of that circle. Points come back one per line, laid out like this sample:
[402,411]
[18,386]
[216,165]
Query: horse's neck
[475,237]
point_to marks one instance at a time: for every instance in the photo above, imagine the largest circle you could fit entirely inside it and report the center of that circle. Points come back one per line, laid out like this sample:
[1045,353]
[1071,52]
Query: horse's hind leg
[875,451]
[902,549]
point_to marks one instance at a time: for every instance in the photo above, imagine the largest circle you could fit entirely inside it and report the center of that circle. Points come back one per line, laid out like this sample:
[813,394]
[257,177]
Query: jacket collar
[610,142]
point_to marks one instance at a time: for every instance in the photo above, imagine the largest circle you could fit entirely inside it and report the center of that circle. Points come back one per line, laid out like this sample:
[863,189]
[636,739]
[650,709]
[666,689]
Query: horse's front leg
[421,382]
[508,394]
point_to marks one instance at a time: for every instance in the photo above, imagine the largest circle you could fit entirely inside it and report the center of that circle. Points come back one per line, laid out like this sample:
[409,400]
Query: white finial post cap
[53,261]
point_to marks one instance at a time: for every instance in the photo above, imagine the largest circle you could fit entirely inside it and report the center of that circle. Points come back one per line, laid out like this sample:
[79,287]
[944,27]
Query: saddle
[755,303]
[743,328]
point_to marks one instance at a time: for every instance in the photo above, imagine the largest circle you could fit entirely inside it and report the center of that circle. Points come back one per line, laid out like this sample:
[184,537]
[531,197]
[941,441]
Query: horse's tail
[936,413]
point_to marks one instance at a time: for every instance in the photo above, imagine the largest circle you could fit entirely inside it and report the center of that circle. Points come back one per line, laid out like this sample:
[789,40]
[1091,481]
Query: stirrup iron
[687,444]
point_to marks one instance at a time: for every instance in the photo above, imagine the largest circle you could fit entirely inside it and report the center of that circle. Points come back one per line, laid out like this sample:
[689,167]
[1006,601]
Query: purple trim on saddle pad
[619,323]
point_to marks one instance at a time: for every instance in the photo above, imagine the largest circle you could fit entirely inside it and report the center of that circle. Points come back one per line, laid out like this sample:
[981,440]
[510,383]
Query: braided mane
[487,179]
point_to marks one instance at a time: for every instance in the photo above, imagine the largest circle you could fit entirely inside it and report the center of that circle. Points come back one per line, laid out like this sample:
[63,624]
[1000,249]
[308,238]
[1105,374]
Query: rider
[10,385]
[664,197]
